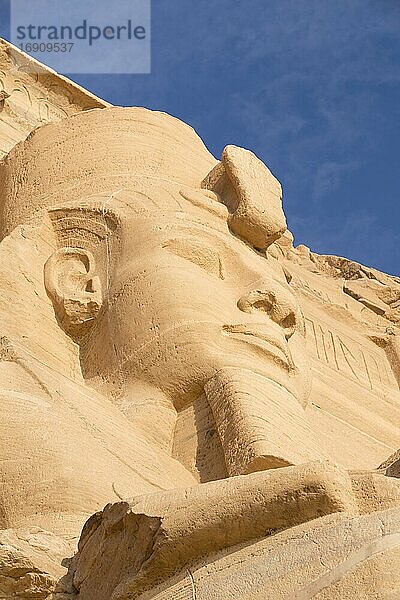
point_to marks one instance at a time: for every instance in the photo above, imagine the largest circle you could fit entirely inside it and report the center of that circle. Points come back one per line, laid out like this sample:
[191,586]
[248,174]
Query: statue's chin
[198,354]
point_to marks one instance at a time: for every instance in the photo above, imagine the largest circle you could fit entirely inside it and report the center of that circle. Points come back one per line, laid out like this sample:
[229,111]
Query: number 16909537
[46,46]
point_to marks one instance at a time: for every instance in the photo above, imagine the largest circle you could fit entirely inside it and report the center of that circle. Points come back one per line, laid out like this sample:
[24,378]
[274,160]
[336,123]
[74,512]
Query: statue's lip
[263,337]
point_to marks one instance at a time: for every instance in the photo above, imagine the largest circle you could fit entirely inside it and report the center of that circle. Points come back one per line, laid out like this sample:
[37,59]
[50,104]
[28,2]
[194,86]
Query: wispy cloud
[328,176]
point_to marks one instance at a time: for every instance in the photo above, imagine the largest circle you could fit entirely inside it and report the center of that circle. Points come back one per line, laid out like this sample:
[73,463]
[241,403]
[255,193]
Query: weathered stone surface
[391,466]
[162,533]
[32,561]
[30,97]
[251,193]
[337,556]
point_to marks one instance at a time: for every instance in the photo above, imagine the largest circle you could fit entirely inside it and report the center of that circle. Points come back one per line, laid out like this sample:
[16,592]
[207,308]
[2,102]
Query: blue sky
[311,86]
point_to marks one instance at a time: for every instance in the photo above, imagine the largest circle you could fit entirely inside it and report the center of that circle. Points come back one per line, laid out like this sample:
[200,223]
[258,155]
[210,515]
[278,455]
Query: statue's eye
[204,257]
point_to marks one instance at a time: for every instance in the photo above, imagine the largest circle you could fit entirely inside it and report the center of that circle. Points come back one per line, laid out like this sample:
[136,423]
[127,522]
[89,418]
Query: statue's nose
[274,300]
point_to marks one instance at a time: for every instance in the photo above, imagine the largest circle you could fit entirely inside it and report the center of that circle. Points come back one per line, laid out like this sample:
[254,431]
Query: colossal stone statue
[218,400]
[182,333]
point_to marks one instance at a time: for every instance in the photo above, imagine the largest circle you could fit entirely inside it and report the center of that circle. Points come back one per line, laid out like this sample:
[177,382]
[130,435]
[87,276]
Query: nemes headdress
[103,151]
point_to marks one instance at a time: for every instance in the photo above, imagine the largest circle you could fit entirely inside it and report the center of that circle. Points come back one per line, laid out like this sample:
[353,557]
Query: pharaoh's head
[161,271]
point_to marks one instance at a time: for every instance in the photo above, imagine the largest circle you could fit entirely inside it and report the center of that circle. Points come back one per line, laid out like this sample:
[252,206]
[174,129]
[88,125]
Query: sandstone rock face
[32,562]
[192,407]
[31,95]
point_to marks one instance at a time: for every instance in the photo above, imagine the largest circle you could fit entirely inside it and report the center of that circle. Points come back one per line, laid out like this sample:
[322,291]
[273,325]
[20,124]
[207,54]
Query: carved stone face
[187,298]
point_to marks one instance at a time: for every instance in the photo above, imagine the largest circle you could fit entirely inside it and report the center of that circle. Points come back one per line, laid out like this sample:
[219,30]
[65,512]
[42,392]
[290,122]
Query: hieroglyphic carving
[32,97]
[367,366]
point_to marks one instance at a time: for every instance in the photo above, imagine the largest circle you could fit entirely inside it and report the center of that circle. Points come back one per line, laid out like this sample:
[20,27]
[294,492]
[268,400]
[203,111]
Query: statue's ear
[74,288]
[252,195]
